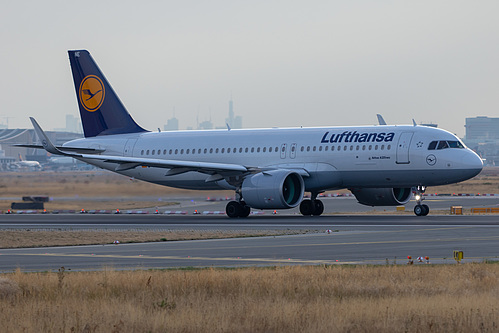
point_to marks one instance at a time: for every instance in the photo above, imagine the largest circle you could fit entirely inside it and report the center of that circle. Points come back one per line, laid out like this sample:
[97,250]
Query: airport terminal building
[482,135]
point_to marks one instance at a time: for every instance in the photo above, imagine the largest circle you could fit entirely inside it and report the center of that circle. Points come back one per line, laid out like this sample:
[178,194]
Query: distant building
[233,121]
[482,128]
[10,137]
[205,125]
[482,135]
[171,124]
[73,125]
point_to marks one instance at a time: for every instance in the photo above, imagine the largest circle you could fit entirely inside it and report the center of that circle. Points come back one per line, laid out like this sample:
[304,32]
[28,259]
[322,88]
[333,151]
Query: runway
[354,239]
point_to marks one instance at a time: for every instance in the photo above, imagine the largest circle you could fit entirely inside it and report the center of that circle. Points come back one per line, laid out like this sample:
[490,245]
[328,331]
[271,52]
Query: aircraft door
[292,152]
[128,150]
[403,148]
[283,150]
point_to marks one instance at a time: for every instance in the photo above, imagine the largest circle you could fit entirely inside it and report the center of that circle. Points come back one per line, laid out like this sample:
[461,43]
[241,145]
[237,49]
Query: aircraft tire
[426,210]
[233,209]
[245,210]
[306,207]
[318,208]
[418,210]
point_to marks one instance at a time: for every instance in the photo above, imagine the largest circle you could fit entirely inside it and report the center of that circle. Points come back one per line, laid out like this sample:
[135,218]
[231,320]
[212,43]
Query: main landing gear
[237,209]
[312,207]
[419,209]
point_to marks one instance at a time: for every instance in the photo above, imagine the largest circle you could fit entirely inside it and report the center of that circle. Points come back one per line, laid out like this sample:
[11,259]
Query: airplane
[33,165]
[267,168]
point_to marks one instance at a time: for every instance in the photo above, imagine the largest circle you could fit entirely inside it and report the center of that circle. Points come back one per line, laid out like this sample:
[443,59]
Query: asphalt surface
[355,239]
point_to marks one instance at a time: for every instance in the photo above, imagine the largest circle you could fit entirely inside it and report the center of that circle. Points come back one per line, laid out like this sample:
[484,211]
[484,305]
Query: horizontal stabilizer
[69,149]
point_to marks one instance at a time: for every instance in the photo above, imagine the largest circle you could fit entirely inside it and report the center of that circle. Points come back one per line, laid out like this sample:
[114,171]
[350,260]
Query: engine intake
[382,196]
[275,189]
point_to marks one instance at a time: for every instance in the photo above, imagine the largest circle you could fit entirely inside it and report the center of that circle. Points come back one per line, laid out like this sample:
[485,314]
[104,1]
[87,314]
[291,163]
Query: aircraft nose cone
[473,163]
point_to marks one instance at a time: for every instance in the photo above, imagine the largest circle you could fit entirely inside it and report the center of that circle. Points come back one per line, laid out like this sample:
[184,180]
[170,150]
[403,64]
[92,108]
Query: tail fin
[101,111]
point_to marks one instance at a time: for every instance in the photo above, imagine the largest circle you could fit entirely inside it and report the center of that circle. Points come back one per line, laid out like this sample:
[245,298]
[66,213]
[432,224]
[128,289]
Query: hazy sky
[286,63]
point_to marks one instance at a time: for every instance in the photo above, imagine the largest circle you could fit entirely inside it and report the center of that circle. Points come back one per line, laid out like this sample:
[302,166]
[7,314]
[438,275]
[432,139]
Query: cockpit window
[442,145]
[455,144]
[432,145]
[445,144]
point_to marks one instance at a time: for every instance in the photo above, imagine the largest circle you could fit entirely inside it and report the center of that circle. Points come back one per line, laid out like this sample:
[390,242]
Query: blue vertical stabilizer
[102,112]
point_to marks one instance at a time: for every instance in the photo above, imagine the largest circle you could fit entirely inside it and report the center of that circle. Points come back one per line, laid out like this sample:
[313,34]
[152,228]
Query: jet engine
[382,196]
[275,189]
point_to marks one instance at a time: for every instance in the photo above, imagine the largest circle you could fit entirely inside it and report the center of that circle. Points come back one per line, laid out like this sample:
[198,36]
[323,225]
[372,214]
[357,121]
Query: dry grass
[451,298]
[43,238]
[124,193]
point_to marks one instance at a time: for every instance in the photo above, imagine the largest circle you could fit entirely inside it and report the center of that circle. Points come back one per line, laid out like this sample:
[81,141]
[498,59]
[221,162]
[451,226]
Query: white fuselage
[329,157]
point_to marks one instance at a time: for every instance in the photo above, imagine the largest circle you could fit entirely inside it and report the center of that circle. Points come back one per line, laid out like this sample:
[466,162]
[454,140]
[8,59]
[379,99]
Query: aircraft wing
[175,166]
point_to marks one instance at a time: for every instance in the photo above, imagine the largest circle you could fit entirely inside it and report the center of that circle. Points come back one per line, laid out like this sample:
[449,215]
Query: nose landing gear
[420,209]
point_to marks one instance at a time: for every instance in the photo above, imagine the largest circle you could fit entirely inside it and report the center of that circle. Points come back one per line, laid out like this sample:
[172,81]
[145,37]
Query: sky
[285,63]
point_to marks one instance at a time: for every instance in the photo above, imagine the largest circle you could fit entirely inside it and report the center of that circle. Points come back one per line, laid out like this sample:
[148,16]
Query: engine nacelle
[275,189]
[382,196]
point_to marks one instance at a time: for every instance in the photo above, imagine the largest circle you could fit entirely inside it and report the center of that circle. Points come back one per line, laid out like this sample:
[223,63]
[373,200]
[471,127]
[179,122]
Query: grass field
[425,298]
[77,190]
[43,238]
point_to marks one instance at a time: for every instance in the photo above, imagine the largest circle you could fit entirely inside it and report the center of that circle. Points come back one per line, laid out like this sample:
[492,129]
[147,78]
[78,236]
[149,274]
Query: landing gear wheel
[421,210]
[306,207]
[426,210]
[233,209]
[245,210]
[318,208]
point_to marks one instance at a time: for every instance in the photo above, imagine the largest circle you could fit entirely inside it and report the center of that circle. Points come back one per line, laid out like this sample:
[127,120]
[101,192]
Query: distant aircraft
[32,165]
[267,168]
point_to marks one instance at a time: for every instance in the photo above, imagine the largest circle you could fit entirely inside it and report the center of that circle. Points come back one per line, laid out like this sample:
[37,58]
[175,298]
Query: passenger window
[211,150]
[326,148]
[357,148]
[152,152]
[240,150]
[147,152]
[442,145]
[159,152]
[252,149]
[228,150]
[187,151]
[382,147]
[364,147]
[206,150]
[320,148]
[314,148]
[264,149]
[344,148]
[351,147]
[142,152]
[223,150]
[370,147]
[432,145]
[164,151]
[332,148]
[308,148]
[258,149]
[376,147]
[388,147]
[216,151]
[199,151]
[181,151]
[176,151]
